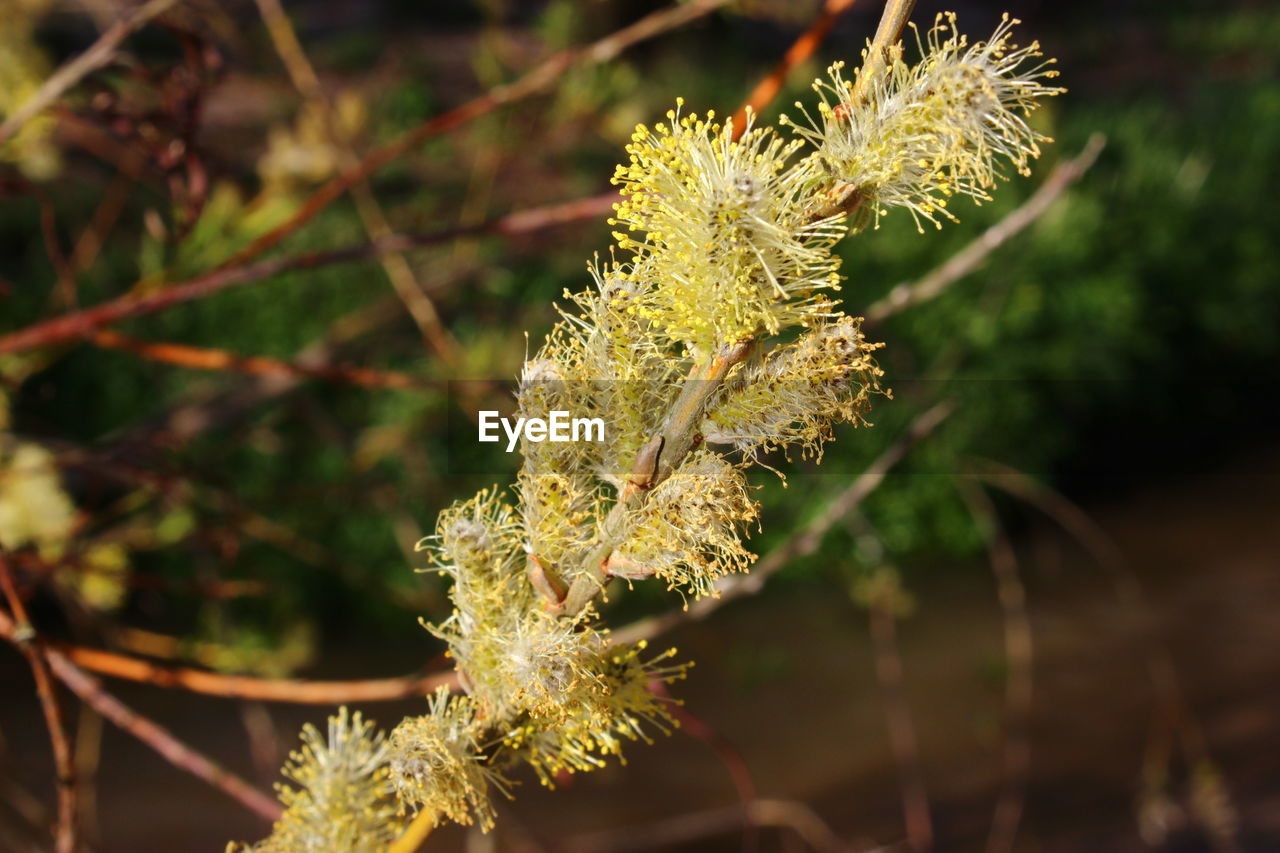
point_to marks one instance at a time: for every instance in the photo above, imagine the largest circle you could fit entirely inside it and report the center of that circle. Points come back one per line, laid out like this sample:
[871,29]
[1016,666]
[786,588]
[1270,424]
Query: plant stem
[679,435]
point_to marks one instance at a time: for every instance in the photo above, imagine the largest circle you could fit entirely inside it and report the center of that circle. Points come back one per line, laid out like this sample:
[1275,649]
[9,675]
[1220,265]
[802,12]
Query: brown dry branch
[297,691]
[968,259]
[1019,652]
[801,49]
[99,54]
[160,739]
[23,636]
[537,80]
[803,542]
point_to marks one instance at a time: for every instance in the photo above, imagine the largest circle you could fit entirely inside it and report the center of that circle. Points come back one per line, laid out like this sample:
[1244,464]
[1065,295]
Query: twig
[968,259]
[1107,554]
[22,636]
[683,829]
[892,22]
[204,358]
[77,324]
[98,55]
[398,271]
[1019,651]
[415,833]
[801,543]
[534,81]
[152,734]
[297,691]
[801,49]
[883,623]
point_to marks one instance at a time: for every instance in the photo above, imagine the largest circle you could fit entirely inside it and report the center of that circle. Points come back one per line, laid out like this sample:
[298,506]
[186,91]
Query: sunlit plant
[709,337]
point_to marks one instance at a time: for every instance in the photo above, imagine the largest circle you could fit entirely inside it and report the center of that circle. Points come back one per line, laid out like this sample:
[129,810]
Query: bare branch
[98,55]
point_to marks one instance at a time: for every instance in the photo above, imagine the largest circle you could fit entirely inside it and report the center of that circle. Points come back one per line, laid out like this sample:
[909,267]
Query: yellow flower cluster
[927,132]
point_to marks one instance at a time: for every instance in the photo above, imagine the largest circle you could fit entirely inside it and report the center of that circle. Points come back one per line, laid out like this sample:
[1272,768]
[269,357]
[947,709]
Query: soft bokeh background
[1124,350]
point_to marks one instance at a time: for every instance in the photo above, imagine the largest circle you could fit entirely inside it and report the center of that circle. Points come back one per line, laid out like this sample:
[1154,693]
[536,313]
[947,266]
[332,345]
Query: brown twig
[149,732]
[307,82]
[98,55]
[801,49]
[22,636]
[78,324]
[801,543]
[531,83]
[968,259]
[684,829]
[204,358]
[1162,672]
[1019,653]
[297,691]
[883,612]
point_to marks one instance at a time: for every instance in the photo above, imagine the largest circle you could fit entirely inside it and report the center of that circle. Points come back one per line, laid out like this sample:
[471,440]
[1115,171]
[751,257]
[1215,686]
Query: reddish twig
[296,691]
[203,358]
[78,324]
[22,636]
[803,48]
[182,756]
[531,83]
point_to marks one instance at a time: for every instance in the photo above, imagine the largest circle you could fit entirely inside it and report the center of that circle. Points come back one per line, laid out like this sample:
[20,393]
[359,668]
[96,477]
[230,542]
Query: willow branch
[801,543]
[297,691]
[98,55]
[416,833]
[655,462]
[968,259]
[23,636]
[892,22]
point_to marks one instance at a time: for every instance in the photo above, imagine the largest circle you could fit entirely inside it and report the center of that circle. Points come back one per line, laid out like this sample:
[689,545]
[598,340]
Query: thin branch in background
[88,758]
[394,264]
[968,259]
[23,636]
[532,82]
[206,358]
[883,611]
[688,828]
[160,739]
[296,691]
[801,49]
[99,54]
[803,542]
[1174,712]
[726,751]
[1019,655]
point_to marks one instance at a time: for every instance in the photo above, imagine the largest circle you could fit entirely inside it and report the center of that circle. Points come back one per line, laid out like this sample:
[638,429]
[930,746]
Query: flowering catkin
[728,244]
